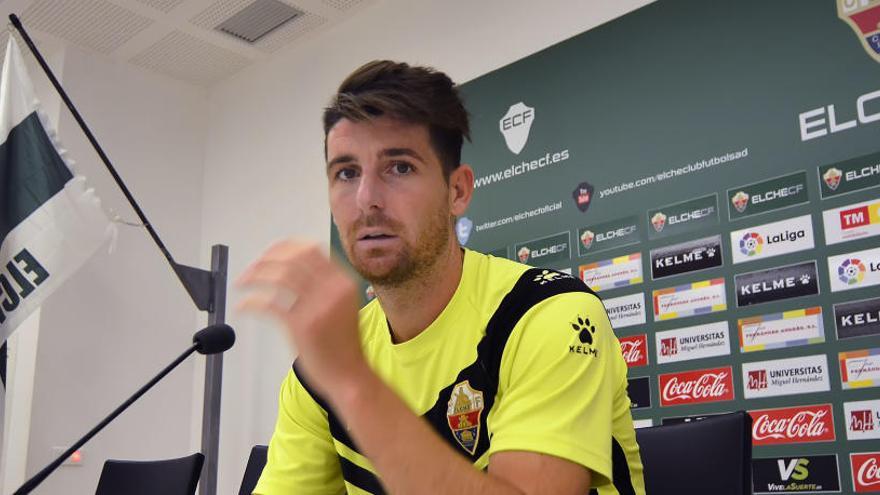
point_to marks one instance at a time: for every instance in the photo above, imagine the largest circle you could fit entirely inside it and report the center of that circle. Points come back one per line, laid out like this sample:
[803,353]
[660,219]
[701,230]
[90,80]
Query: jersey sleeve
[559,374]
[301,458]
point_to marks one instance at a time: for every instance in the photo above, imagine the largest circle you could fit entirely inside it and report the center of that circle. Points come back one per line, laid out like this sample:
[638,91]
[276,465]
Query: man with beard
[468,374]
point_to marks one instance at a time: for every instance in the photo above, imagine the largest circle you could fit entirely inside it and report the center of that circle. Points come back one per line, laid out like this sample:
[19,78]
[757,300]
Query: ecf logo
[515,126]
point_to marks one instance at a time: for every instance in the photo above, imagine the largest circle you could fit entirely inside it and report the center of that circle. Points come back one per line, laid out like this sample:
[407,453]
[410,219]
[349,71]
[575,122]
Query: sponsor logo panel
[860,369]
[675,420]
[854,270]
[690,256]
[692,299]
[696,342]
[626,311]
[777,330]
[862,419]
[849,176]
[550,249]
[865,470]
[698,386]
[799,424]
[639,390]
[608,235]
[851,222]
[769,195]
[635,350]
[772,239]
[803,474]
[616,272]
[643,423]
[776,284]
[857,318]
[791,376]
[679,218]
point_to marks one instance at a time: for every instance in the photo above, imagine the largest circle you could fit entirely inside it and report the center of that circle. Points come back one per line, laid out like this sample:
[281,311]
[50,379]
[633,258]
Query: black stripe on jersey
[533,287]
[360,477]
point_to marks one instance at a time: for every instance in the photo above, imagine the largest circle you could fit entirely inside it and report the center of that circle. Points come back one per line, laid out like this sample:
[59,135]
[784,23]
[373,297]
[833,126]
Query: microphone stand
[46,471]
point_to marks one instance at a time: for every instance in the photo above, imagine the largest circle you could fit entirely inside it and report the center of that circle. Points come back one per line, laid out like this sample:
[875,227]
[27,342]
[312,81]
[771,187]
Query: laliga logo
[463,229]
[523,254]
[658,221]
[851,271]
[740,201]
[751,244]
[515,126]
[862,15]
[587,238]
[832,178]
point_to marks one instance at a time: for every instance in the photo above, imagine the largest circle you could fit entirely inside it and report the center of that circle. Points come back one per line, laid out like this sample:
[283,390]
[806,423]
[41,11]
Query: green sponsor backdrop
[677,101]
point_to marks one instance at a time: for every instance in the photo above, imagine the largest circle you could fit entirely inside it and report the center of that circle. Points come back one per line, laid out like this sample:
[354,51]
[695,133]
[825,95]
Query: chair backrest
[169,477]
[254,468]
[712,455]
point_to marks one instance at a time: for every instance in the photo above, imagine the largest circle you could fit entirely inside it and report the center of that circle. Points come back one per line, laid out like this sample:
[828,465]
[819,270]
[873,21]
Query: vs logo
[515,126]
[795,469]
[862,16]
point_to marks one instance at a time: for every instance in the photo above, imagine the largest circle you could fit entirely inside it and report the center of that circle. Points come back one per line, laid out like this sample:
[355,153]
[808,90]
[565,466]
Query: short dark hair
[417,95]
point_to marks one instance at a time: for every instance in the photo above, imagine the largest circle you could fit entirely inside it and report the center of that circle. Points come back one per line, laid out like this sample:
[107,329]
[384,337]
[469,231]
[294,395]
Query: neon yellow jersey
[520,359]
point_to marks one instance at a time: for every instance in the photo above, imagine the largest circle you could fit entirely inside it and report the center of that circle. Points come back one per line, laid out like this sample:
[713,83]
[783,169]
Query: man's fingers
[294,277]
[266,302]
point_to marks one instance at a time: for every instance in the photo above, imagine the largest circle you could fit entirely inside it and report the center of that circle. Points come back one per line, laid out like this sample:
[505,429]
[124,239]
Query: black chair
[712,455]
[254,468]
[168,477]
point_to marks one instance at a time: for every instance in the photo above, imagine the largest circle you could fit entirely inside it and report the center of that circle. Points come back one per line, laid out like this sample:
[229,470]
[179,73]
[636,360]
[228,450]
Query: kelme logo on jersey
[608,235]
[583,196]
[862,16]
[586,335]
[768,195]
[686,216]
[854,270]
[806,474]
[515,126]
[463,228]
[463,414]
[550,249]
[851,175]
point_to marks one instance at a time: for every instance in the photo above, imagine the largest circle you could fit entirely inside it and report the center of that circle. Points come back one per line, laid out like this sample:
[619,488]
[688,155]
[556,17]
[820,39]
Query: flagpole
[206,288]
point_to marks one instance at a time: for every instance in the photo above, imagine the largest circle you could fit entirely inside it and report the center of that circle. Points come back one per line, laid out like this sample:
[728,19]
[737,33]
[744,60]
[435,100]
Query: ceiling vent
[258,19]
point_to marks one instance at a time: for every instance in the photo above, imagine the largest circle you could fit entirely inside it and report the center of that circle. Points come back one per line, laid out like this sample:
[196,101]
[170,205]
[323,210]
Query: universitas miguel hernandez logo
[863,16]
[740,201]
[851,271]
[463,415]
[583,196]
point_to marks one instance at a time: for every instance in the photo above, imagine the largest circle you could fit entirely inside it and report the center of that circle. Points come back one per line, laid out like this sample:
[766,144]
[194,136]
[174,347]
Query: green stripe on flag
[31,172]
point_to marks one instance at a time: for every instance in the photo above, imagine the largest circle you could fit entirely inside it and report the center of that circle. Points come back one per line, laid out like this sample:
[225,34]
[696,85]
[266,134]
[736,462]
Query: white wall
[264,166]
[122,317]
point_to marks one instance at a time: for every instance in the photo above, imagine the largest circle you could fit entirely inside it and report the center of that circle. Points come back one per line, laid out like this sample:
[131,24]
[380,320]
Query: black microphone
[209,340]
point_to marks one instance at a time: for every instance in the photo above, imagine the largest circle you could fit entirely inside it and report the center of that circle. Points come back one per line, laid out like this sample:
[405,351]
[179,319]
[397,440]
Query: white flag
[50,224]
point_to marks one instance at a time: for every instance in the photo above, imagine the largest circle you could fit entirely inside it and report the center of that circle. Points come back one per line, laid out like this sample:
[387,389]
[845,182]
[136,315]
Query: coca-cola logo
[869,473]
[635,350]
[696,386]
[793,425]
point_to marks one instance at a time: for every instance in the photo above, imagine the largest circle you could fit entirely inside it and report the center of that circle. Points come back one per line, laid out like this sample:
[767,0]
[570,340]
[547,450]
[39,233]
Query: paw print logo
[805,279]
[710,252]
[584,329]
[547,276]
